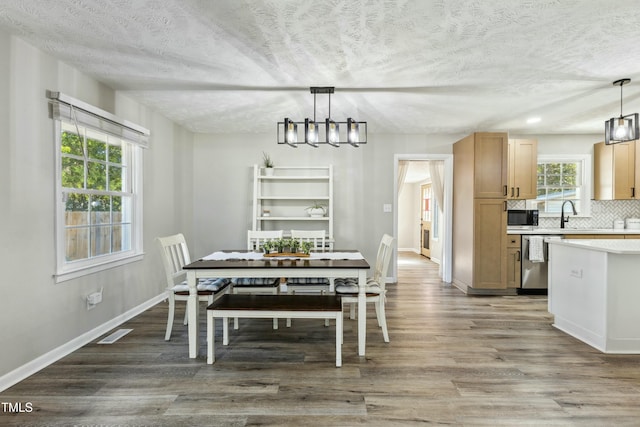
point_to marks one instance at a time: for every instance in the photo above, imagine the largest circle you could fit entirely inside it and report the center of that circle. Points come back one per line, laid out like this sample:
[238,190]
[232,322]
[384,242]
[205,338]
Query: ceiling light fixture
[353,133]
[623,128]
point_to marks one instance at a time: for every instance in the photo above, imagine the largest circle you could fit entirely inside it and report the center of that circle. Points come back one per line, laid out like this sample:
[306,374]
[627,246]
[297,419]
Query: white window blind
[64,107]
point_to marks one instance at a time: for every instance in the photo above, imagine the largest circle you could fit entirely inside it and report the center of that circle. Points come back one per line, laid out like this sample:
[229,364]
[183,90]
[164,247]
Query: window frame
[67,270]
[585,198]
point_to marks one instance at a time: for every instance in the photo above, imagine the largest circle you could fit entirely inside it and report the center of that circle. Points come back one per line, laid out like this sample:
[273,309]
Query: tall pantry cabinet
[480,190]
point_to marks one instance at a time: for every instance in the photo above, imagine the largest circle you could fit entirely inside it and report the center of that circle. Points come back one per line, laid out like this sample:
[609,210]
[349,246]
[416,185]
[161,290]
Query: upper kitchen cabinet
[523,168]
[490,154]
[616,172]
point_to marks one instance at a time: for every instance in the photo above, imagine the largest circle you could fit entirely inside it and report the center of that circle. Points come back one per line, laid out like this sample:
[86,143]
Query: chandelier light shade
[351,132]
[311,132]
[623,128]
[332,132]
[290,133]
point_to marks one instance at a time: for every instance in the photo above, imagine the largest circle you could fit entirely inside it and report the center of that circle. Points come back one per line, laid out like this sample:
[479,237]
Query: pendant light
[623,128]
[354,133]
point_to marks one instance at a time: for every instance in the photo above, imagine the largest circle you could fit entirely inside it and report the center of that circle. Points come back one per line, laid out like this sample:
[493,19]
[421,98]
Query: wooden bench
[272,307]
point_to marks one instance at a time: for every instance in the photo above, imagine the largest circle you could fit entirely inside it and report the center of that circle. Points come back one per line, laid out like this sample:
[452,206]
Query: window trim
[585,199]
[64,270]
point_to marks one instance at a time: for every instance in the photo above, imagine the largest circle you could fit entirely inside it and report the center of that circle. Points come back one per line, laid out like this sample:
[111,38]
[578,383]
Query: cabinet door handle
[633,192]
[511,191]
[505,190]
[517,191]
[505,205]
[518,256]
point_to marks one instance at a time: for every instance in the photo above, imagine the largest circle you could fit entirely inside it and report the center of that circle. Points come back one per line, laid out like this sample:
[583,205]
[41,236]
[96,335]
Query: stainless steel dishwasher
[534,273]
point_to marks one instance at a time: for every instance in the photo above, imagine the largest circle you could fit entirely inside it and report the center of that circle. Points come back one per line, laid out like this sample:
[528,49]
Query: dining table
[249,264]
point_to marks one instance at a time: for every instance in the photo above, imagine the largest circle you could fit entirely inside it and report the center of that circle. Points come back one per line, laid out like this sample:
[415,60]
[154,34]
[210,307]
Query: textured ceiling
[415,66]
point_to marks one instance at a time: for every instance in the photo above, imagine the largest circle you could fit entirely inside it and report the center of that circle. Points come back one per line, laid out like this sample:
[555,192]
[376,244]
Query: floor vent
[115,336]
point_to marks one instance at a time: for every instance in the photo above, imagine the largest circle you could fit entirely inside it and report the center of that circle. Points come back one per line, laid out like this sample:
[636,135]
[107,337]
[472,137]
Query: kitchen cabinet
[522,169]
[490,164]
[514,261]
[479,264]
[281,199]
[616,172]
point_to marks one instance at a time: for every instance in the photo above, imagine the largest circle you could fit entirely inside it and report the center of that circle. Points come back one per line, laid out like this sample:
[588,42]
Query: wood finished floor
[452,360]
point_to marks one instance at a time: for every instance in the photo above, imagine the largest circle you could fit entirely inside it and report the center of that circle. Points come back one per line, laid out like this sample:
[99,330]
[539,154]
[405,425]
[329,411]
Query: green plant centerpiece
[306,247]
[316,210]
[268,246]
[294,246]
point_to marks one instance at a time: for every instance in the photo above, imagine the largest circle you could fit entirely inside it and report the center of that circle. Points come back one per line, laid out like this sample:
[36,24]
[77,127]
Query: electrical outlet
[94,299]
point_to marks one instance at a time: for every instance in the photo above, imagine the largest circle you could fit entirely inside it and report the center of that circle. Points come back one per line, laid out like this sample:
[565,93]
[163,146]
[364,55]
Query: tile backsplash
[603,213]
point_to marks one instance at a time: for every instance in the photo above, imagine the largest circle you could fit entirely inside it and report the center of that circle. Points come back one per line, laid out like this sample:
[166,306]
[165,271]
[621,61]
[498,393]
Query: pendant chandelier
[329,132]
[623,128]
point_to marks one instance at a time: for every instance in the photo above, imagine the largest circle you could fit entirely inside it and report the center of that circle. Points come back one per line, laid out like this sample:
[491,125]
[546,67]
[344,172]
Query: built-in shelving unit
[281,198]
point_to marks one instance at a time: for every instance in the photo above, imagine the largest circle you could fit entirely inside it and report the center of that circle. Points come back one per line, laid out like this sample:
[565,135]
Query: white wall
[363,182]
[409,218]
[36,314]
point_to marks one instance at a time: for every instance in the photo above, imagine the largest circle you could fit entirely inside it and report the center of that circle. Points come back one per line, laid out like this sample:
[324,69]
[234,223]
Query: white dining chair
[376,286]
[175,255]
[258,285]
[310,284]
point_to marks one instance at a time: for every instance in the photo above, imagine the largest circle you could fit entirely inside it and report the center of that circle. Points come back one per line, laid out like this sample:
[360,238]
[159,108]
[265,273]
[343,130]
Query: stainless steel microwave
[522,217]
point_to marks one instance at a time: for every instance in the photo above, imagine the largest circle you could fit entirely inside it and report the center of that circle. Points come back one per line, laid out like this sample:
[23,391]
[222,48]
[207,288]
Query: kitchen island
[594,292]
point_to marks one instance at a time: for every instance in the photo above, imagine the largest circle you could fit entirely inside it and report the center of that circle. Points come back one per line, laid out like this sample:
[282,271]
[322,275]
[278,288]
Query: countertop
[615,246]
[536,230]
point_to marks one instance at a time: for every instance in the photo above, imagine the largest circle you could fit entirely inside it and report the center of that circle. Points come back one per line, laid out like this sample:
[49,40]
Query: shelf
[293,218]
[294,177]
[286,194]
[293,198]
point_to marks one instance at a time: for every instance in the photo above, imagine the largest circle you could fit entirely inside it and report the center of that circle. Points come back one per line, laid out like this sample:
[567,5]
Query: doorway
[446,184]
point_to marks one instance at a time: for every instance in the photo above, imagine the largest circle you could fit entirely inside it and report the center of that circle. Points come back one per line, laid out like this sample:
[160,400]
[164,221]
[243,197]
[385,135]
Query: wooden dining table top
[288,262]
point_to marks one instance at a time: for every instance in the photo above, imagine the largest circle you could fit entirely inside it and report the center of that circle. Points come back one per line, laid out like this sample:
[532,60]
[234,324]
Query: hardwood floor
[452,359]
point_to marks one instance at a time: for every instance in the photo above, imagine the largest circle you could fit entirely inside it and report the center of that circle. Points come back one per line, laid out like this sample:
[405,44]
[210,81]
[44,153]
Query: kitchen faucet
[562,218]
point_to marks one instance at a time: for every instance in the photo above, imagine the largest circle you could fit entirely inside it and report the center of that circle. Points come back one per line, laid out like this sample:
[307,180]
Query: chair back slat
[317,237]
[175,255]
[255,238]
[383,260]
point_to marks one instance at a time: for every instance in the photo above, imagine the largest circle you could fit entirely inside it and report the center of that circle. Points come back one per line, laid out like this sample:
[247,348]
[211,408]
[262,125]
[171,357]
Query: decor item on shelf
[316,210]
[267,163]
[266,212]
[623,128]
[354,133]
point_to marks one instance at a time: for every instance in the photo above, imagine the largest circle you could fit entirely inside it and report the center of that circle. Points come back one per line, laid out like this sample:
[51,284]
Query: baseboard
[58,353]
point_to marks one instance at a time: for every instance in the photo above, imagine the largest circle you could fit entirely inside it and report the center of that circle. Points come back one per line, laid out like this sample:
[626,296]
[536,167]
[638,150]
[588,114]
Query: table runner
[226,256]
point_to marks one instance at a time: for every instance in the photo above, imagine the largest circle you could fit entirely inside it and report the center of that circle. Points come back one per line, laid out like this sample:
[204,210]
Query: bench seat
[272,307]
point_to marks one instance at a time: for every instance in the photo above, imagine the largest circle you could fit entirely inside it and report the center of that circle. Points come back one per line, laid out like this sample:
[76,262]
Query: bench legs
[211,332]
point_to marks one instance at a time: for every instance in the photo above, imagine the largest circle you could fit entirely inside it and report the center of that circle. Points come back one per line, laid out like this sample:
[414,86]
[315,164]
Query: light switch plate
[386,207]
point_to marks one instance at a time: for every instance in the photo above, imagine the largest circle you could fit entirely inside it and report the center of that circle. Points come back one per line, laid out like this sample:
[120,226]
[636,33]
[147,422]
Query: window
[562,178]
[99,203]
